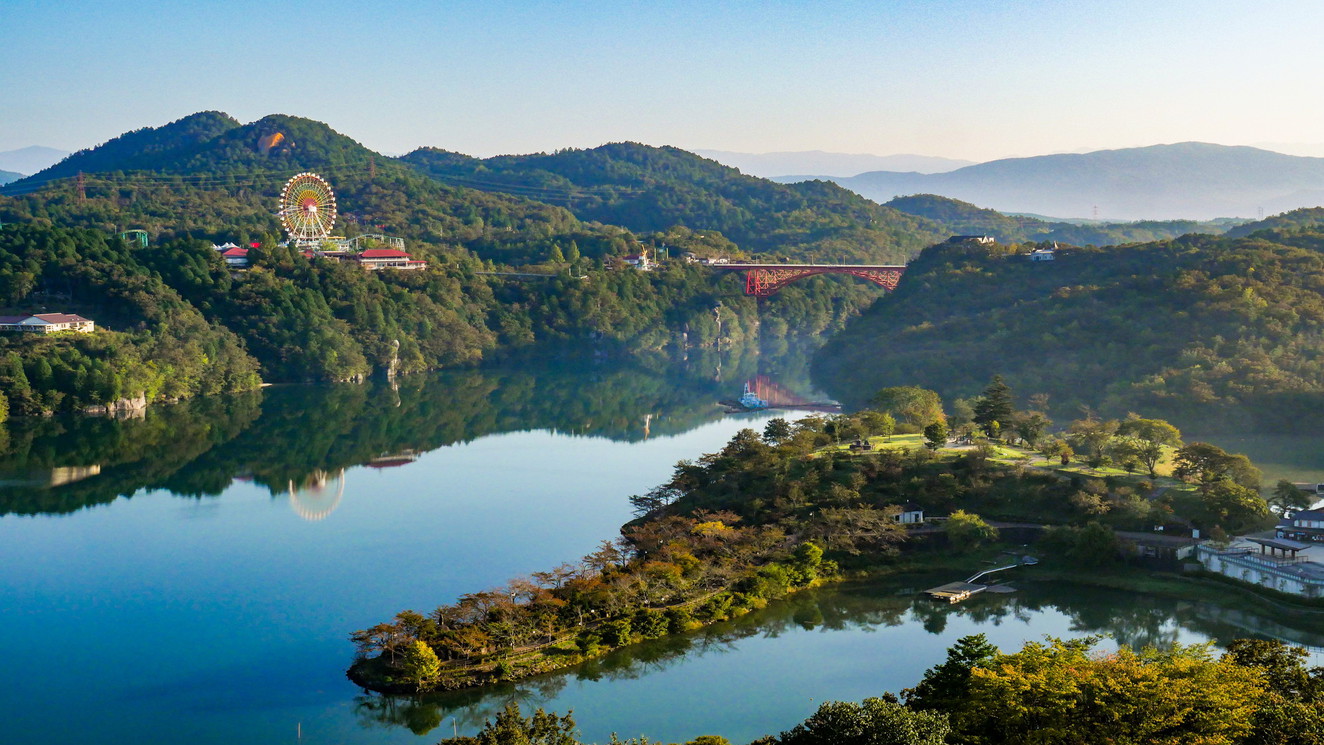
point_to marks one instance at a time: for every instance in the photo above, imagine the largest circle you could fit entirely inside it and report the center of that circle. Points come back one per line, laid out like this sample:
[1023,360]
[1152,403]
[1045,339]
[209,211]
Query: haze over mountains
[28,160]
[1189,180]
[820,163]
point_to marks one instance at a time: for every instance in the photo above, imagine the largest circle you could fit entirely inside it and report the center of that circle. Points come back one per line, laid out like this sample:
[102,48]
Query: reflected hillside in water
[865,609]
[299,440]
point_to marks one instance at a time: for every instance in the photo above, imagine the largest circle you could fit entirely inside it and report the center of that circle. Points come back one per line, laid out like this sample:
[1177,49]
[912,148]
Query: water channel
[192,575]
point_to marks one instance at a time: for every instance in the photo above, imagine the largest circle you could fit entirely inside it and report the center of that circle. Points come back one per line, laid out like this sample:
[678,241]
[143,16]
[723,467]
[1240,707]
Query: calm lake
[193,575]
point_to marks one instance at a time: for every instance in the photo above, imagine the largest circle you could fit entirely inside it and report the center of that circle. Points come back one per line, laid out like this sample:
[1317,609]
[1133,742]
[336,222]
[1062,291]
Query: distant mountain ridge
[30,159]
[823,164]
[1189,180]
[9,176]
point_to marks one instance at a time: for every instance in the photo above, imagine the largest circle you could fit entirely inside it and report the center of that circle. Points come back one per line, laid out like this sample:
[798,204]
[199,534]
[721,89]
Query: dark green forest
[1187,327]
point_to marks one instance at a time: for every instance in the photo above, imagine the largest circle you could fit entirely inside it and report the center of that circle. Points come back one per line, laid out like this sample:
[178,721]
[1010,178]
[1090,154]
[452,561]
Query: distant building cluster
[692,258]
[370,259]
[46,323]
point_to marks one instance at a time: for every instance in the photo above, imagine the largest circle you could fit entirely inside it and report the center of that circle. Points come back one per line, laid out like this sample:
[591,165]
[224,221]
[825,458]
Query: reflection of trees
[287,435]
[1129,618]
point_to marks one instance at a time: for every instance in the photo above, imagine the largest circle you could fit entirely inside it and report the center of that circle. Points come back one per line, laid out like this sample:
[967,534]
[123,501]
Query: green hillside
[151,342]
[1306,218]
[650,189]
[207,176]
[1184,325]
[963,218]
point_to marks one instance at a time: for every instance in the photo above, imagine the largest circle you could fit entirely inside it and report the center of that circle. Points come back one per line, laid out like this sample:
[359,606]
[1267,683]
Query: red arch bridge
[762,280]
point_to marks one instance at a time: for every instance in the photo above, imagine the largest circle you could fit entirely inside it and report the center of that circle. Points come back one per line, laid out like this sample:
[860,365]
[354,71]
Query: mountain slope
[8,177]
[1183,326]
[1183,181]
[656,188]
[206,174]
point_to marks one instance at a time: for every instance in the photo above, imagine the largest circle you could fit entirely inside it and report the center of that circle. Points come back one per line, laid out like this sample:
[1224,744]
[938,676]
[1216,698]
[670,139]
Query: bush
[650,623]
[679,620]
[617,633]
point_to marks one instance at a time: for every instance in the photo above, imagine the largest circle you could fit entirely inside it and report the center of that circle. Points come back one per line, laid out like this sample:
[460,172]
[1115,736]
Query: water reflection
[857,611]
[298,441]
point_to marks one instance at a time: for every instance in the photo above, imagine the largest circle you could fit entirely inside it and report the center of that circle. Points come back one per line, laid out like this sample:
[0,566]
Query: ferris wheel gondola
[307,208]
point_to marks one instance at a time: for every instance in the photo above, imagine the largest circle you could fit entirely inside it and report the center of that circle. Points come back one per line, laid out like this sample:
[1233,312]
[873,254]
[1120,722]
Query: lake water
[192,576]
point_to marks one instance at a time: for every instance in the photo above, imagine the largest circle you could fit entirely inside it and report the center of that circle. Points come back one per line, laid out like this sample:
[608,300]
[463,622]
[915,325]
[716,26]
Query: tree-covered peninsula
[775,512]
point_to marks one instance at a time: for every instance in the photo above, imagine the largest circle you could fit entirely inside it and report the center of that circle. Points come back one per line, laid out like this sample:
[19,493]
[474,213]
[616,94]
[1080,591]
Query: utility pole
[372,168]
[81,187]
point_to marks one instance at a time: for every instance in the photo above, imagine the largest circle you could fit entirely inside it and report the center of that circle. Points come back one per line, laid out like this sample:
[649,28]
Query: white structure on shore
[1276,565]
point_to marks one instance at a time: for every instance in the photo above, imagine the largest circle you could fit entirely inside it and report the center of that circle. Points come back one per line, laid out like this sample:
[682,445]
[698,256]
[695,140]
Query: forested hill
[1179,326]
[963,218]
[656,188]
[208,176]
[1306,218]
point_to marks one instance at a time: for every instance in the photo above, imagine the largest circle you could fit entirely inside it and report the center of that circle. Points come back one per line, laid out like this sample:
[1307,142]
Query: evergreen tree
[994,405]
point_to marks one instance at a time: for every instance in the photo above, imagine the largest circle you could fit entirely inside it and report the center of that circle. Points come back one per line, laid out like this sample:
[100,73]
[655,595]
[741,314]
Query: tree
[1062,692]
[947,684]
[1092,437]
[966,530]
[420,665]
[874,721]
[510,727]
[1148,438]
[917,407]
[777,430]
[1094,545]
[935,435]
[1030,426]
[1234,505]
[1287,498]
[994,405]
[1204,464]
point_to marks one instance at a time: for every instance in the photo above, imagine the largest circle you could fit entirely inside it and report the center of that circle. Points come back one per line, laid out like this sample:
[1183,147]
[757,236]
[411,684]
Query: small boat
[750,400]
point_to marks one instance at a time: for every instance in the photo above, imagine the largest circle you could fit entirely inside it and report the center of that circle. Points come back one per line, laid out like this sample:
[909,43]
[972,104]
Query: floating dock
[955,592]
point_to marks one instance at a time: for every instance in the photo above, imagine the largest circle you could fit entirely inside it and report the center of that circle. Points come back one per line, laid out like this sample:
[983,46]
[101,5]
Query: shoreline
[1193,587]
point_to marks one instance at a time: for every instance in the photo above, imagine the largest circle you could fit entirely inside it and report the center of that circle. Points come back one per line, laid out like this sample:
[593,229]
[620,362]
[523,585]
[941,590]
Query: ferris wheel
[307,208]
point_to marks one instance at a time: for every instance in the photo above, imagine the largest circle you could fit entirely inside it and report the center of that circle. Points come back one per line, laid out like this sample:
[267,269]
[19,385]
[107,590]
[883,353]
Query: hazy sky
[976,79]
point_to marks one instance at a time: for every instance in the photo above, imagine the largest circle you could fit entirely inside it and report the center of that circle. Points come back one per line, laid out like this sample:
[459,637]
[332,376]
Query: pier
[955,592]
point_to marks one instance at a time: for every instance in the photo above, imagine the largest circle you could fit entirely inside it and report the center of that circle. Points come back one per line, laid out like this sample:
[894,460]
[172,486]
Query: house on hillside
[639,261]
[1042,254]
[236,258]
[1306,525]
[911,514]
[373,259]
[47,323]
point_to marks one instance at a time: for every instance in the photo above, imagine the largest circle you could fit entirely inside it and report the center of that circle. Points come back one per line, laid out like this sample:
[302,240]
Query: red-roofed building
[388,258]
[47,323]
[236,257]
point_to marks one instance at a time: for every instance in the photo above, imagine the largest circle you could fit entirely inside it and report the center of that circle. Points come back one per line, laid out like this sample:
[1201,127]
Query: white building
[47,323]
[1271,567]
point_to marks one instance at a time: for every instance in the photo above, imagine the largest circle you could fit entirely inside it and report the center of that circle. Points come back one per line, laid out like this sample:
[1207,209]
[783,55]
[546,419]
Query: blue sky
[970,79]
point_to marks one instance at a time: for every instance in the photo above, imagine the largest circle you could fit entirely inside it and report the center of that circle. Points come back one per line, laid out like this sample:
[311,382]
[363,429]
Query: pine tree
[994,405]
